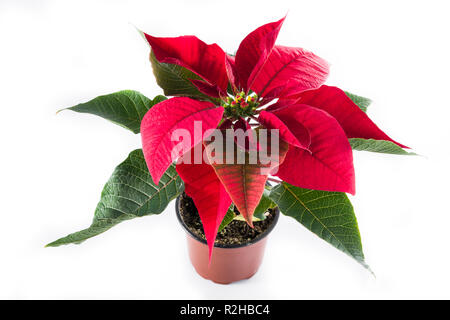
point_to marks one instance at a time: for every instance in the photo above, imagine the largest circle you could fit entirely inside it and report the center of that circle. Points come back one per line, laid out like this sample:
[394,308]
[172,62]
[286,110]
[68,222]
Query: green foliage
[361,102]
[380,146]
[327,214]
[129,193]
[125,108]
[264,205]
[174,79]
[228,218]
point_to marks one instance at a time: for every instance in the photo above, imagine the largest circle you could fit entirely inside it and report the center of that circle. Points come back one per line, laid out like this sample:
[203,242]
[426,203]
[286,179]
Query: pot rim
[233,246]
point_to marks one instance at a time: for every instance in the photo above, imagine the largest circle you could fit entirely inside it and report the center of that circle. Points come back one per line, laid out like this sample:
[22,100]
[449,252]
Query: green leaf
[327,214]
[174,79]
[380,146]
[264,204]
[125,108]
[129,193]
[361,102]
[228,218]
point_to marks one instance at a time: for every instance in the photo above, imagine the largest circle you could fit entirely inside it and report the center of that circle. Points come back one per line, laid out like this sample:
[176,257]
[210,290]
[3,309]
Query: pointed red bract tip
[209,196]
[254,51]
[351,118]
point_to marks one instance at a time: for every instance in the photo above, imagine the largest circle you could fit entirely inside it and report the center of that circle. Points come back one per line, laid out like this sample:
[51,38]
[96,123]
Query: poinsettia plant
[262,87]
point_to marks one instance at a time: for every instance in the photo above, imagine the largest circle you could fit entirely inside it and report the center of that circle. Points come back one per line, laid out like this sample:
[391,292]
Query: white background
[55,54]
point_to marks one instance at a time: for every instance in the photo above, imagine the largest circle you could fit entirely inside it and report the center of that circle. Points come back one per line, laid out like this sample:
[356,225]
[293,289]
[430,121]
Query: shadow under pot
[238,249]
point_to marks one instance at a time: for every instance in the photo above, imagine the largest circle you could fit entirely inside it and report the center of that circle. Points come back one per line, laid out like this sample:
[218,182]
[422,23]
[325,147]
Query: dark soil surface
[236,233]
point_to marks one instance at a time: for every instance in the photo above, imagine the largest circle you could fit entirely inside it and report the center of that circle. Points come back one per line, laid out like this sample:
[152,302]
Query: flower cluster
[240,106]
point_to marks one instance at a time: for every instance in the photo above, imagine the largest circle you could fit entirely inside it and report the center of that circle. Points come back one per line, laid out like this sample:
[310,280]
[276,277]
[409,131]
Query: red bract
[314,121]
[335,102]
[188,51]
[328,163]
[212,202]
[163,119]
[300,138]
[254,51]
[243,180]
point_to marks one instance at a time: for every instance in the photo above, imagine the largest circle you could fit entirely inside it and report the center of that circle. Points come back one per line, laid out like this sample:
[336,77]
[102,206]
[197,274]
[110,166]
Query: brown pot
[228,263]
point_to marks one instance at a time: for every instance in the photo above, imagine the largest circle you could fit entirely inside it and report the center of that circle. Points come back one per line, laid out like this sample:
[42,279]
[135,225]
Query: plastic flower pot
[229,263]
